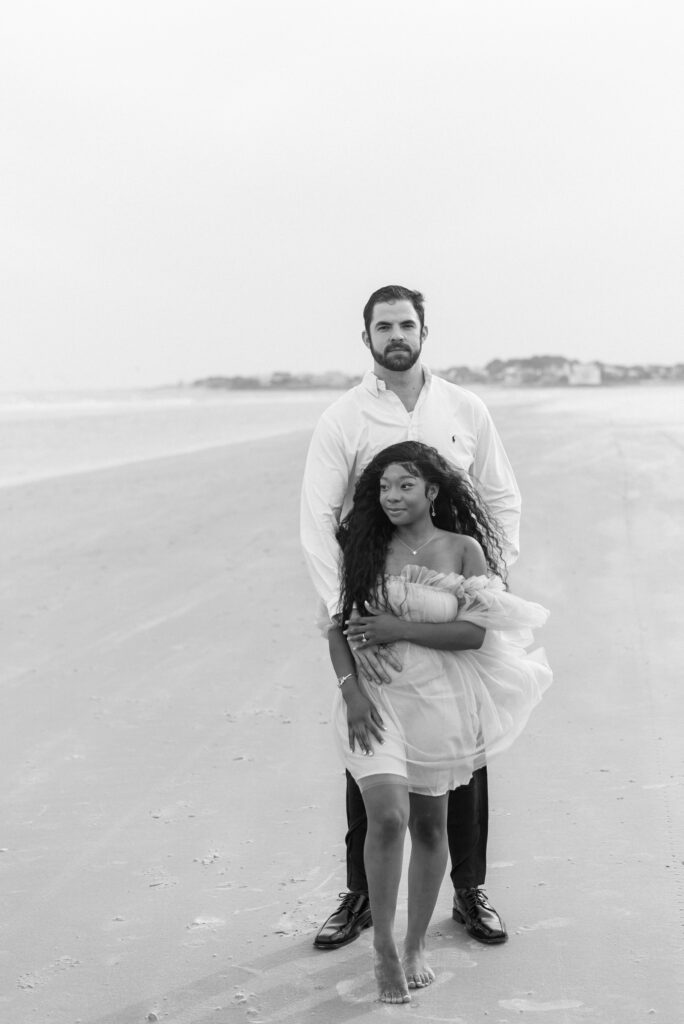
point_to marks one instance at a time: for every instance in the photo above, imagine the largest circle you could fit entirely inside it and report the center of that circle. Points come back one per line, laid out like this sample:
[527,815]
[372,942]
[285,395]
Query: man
[401,400]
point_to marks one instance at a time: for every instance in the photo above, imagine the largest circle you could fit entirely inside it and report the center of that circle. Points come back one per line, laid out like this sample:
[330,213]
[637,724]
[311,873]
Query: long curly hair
[365,533]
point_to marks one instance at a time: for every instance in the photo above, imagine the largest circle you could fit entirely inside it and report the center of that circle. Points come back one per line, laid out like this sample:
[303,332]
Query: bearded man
[400,400]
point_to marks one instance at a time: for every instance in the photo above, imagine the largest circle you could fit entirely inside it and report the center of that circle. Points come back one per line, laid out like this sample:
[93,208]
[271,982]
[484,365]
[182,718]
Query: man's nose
[397,333]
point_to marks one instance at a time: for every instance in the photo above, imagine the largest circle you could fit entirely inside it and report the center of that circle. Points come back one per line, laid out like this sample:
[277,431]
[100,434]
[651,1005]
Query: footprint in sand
[364,990]
[529,1005]
[35,979]
[551,922]
[206,922]
[358,990]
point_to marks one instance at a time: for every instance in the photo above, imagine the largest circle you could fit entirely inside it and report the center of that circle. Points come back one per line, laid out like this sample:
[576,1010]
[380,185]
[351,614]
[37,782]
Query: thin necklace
[414,551]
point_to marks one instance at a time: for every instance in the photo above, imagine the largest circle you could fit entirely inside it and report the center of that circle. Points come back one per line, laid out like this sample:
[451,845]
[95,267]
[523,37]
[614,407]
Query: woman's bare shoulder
[461,551]
[450,549]
[458,541]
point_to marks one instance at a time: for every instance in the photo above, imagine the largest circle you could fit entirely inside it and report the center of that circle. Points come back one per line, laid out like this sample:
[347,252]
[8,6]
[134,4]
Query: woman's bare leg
[387,810]
[427,824]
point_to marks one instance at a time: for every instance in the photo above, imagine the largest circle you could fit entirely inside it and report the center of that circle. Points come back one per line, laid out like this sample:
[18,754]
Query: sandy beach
[172,805]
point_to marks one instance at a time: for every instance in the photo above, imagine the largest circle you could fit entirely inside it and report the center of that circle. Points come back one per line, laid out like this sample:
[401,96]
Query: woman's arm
[363,719]
[383,628]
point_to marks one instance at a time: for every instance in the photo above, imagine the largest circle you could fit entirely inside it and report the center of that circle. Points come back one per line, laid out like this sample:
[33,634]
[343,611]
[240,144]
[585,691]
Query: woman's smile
[400,483]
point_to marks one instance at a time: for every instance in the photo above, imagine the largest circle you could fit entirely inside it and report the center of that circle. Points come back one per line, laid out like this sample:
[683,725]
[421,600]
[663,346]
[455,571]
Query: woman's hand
[375,628]
[364,723]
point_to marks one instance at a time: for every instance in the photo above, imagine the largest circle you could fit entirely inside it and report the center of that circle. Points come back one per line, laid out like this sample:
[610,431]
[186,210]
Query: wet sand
[172,807]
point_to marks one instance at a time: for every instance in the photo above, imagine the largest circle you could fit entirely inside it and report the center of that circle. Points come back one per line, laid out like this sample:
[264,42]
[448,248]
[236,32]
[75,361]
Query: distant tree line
[539,371]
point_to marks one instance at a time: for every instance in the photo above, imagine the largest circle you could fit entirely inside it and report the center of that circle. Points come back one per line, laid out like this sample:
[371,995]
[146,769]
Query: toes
[421,979]
[395,997]
[416,981]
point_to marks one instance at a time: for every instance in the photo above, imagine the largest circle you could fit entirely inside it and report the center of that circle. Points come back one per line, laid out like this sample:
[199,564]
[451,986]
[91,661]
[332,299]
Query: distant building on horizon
[533,371]
[584,374]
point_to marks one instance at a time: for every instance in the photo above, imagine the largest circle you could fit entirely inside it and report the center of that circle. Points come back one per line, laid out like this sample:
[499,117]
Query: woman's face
[403,496]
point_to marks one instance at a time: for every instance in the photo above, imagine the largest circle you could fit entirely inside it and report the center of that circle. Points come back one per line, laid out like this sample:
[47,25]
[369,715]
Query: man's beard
[398,358]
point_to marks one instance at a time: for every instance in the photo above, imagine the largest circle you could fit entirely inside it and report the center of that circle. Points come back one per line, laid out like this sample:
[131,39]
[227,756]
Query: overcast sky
[204,187]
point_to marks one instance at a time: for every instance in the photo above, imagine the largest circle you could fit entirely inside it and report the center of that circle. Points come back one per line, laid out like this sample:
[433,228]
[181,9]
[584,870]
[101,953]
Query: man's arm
[328,469]
[493,476]
[326,476]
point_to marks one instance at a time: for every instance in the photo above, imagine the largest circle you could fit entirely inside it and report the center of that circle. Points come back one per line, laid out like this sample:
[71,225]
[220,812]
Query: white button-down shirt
[367,419]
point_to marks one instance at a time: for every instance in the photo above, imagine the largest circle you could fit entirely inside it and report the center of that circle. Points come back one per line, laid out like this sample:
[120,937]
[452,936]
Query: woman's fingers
[361,633]
[364,744]
[377,717]
[353,632]
[376,731]
[373,609]
[360,735]
[376,724]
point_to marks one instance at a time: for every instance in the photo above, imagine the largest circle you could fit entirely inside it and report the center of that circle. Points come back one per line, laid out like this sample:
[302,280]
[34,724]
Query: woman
[422,569]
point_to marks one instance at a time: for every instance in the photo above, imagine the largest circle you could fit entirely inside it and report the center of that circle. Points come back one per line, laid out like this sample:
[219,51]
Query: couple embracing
[409,519]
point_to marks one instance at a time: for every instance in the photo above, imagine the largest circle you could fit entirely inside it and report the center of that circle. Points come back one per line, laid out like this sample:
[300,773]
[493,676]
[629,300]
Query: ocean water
[52,434]
[57,433]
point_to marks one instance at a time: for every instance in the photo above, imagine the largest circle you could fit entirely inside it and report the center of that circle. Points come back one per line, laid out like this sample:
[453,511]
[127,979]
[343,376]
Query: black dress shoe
[346,923]
[480,919]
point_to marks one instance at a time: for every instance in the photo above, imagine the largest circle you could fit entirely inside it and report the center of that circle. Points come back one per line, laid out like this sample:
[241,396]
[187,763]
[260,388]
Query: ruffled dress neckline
[423,576]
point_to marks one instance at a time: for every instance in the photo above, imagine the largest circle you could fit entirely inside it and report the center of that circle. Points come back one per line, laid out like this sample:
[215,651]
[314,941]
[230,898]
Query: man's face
[395,337]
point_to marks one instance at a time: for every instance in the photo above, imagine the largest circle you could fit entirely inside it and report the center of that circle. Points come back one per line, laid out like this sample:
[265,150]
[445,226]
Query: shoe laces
[474,897]
[347,899]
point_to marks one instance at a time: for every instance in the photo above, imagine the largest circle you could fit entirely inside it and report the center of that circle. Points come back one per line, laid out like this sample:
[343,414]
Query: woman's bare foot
[417,970]
[389,974]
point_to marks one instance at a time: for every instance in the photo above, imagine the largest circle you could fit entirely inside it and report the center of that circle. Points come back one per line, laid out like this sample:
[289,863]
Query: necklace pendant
[414,551]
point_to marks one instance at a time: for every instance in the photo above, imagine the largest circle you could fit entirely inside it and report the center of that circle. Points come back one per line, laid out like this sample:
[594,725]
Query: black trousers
[467,824]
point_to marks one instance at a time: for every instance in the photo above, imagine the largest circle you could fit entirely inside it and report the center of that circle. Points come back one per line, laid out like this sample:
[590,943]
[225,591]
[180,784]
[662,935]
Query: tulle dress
[447,713]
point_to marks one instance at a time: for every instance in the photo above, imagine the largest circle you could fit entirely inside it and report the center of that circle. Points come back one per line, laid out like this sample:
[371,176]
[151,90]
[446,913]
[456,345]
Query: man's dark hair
[391,293]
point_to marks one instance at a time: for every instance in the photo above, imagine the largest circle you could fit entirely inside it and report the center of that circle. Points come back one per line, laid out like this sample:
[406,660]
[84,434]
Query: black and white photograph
[341,492]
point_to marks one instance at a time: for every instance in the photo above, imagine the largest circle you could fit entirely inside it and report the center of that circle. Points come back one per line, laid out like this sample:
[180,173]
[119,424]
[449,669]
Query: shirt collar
[377,386]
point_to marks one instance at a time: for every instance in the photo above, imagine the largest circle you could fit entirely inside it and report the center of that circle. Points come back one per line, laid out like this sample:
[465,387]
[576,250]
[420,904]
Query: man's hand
[372,659]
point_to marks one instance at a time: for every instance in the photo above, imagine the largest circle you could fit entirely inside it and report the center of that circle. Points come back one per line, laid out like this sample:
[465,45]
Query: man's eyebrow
[385,323]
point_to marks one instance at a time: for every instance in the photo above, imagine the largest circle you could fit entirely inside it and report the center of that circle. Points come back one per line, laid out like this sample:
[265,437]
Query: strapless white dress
[447,713]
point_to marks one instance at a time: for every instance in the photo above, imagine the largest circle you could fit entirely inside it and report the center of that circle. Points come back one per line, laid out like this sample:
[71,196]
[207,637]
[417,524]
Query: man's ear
[424,332]
[365,339]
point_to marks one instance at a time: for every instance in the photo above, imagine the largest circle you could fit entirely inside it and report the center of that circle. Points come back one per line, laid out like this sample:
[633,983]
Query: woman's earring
[432,508]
